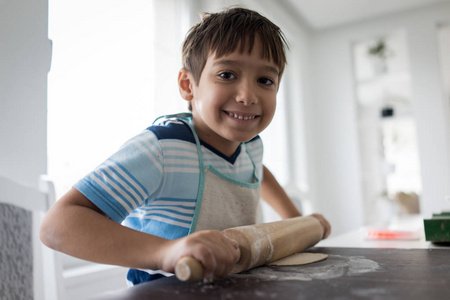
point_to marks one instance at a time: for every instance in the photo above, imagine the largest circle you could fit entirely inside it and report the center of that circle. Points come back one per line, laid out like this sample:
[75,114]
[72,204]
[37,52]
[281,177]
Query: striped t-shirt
[151,183]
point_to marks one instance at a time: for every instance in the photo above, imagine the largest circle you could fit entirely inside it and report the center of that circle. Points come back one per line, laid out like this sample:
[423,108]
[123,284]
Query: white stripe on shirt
[132,182]
[110,191]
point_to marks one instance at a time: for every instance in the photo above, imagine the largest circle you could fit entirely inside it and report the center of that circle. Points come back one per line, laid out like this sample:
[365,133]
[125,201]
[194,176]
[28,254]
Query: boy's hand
[216,252]
[325,225]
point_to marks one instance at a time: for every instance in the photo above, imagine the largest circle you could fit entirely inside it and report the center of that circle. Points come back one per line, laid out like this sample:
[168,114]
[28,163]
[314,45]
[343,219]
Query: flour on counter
[335,266]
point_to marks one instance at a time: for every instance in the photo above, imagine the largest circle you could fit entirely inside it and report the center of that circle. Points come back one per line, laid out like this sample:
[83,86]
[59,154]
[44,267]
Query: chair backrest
[29,270]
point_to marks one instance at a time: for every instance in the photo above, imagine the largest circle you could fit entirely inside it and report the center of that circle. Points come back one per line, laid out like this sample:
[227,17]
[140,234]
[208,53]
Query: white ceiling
[321,14]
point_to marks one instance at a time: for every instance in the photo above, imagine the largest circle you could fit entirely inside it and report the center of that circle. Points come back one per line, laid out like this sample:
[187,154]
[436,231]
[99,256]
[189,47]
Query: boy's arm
[276,197]
[75,226]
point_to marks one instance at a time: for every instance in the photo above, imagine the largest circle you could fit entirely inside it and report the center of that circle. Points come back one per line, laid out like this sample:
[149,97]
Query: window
[105,84]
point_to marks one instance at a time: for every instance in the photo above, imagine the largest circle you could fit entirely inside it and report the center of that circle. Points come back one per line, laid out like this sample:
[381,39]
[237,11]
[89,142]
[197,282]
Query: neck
[226,147]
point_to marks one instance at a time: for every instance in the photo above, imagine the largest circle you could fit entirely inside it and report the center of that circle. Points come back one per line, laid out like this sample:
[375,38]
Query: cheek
[214,98]
[217,93]
[271,108]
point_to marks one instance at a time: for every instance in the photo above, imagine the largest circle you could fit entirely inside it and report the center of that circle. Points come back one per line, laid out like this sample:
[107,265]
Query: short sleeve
[127,178]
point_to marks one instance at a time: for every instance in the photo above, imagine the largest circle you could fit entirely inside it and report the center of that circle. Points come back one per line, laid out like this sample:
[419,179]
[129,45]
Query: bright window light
[102,84]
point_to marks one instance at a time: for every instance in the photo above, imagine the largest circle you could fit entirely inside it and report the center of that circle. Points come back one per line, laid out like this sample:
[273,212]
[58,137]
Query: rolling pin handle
[188,269]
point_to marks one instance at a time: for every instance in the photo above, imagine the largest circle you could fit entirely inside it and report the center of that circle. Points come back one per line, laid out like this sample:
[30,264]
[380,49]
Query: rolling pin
[260,244]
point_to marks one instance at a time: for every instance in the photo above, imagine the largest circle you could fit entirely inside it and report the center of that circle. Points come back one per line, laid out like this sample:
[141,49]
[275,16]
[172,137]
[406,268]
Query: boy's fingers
[235,252]
[207,258]
[225,254]
[216,252]
[233,242]
[327,227]
[325,224]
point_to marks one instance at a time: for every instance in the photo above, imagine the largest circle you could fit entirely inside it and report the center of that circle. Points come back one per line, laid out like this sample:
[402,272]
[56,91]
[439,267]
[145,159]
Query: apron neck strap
[186,118]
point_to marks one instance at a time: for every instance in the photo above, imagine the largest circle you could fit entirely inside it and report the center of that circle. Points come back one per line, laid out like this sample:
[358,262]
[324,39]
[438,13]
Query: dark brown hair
[224,32]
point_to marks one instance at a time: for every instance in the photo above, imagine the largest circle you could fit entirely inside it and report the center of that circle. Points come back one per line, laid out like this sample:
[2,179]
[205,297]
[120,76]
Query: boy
[178,183]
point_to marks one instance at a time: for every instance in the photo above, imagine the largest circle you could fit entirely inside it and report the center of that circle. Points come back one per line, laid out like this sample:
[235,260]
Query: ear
[185,83]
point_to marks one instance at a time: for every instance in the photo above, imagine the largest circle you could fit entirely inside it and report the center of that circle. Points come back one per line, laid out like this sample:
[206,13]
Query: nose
[246,94]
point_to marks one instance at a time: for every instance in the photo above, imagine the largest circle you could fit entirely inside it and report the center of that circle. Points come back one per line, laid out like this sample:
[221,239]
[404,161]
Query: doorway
[391,180]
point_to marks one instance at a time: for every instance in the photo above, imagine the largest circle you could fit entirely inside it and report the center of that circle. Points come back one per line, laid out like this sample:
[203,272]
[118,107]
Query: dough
[299,259]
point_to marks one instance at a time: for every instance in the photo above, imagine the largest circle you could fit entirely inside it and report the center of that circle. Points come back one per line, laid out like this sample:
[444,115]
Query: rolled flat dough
[299,259]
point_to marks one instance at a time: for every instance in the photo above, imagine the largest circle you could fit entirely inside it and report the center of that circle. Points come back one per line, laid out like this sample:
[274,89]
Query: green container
[437,229]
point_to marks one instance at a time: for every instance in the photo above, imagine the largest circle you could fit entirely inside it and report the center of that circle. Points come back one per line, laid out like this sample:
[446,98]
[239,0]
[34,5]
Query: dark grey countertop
[347,273]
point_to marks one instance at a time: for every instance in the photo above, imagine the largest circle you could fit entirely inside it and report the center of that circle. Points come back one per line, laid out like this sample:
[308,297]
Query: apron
[222,201]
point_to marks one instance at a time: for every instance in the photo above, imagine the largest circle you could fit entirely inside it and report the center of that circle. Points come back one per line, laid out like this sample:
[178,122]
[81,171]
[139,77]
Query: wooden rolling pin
[261,244]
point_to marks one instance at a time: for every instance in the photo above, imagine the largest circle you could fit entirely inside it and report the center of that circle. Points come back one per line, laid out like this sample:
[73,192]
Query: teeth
[239,117]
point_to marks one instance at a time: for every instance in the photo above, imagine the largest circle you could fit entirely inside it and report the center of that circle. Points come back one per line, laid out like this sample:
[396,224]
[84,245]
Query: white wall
[333,142]
[332,133]
[25,53]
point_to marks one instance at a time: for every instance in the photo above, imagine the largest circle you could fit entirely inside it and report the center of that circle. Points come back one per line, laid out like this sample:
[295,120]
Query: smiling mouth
[241,117]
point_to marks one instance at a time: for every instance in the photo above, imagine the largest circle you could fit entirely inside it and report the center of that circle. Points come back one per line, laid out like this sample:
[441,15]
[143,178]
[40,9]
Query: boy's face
[235,98]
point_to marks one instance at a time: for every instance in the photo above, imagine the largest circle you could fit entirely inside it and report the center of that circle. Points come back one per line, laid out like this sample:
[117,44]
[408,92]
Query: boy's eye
[227,75]
[265,81]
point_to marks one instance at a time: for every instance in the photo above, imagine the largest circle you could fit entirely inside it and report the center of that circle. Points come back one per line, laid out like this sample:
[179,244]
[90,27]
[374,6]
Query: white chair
[22,253]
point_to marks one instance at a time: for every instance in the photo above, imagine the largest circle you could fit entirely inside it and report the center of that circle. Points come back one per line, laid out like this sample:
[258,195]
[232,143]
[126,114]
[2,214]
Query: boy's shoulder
[177,130]
[172,129]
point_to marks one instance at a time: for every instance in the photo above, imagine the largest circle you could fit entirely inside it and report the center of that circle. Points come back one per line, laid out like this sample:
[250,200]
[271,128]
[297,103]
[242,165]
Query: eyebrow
[230,62]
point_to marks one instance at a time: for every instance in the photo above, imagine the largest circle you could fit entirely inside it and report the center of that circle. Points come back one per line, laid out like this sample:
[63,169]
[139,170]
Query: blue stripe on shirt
[132,178]
[94,193]
[111,186]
